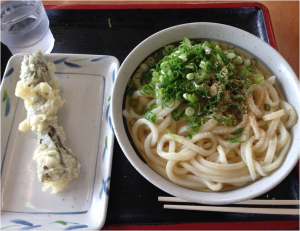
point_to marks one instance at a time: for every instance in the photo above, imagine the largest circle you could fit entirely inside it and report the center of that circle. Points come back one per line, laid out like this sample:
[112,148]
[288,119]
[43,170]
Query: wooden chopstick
[249,202]
[281,211]
[235,209]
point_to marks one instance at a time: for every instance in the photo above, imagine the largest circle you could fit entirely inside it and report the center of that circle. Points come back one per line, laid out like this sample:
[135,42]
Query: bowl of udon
[208,113]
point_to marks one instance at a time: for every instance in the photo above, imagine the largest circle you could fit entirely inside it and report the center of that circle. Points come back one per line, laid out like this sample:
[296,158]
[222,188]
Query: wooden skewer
[249,202]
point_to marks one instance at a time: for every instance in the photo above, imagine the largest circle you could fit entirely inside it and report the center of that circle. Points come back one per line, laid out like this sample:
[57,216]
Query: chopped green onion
[132,87]
[176,114]
[155,74]
[189,67]
[195,119]
[150,61]
[143,111]
[238,131]
[134,103]
[239,60]
[250,69]
[155,79]
[155,93]
[241,139]
[223,57]
[168,102]
[243,112]
[170,90]
[150,116]
[215,43]
[179,96]
[109,23]
[238,97]
[194,127]
[267,107]
[233,122]
[220,119]
[253,61]
[189,111]
[171,135]
[144,67]
[152,106]
[161,92]
[258,78]
[138,74]
[233,140]
[231,56]
[201,122]
[206,65]
[146,77]
[196,106]
[190,97]
[190,76]
[247,62]
[190,87]
[231,47]
[147,89]
[169,48]
[165,66]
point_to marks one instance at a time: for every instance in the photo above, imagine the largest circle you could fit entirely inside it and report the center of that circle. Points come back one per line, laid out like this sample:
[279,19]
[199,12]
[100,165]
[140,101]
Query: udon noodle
[207,118]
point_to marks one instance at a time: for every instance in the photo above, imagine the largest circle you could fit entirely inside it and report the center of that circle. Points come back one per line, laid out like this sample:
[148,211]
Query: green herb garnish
[240,139]
[267,107]
[208,81]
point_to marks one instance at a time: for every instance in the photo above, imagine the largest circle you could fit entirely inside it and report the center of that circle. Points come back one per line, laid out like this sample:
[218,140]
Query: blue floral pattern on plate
[7,106]
[8,73]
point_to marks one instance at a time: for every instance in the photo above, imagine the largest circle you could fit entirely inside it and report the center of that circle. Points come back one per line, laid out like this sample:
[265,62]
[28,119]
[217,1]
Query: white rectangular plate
[85,82]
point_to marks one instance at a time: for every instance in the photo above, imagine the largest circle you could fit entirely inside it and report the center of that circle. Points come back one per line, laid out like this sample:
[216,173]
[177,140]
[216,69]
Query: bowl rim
[223,197]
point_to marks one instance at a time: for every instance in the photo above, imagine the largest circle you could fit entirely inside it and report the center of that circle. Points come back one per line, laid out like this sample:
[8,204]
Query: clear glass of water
[25,27]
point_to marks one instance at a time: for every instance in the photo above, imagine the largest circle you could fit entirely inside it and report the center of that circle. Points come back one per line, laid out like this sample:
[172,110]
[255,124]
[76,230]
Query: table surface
[284,16]
[285,21]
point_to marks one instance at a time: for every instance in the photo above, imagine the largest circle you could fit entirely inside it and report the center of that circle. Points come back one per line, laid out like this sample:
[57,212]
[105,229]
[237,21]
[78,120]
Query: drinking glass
[25,27]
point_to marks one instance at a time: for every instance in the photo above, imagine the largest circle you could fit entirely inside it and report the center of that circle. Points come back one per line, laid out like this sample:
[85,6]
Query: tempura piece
[56,163]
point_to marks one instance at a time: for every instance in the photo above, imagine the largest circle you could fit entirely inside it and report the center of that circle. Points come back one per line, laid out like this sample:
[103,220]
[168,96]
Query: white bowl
[227,34]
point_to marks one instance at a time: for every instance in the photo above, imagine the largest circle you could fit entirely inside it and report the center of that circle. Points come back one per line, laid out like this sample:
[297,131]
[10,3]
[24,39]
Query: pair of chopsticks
[280,211]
